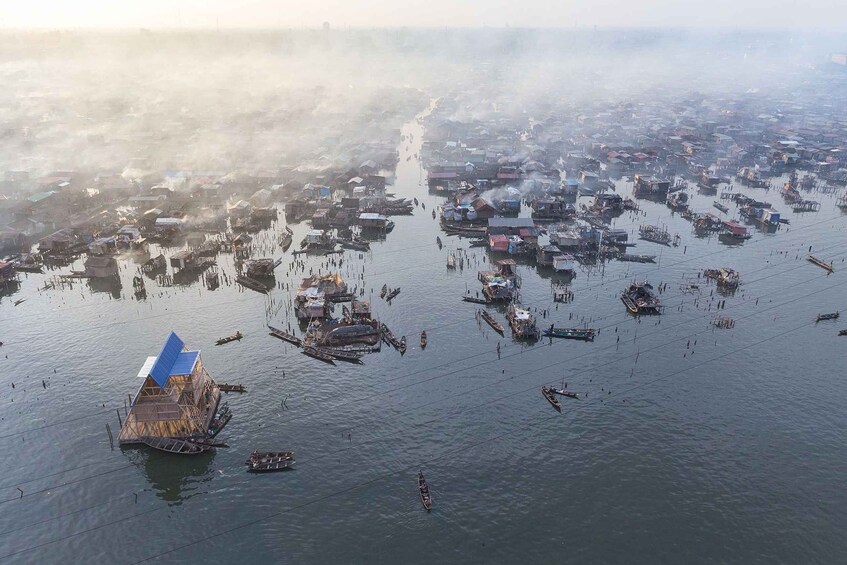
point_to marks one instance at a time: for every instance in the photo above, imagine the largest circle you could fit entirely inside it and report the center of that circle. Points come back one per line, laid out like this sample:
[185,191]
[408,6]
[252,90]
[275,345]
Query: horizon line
[355,27]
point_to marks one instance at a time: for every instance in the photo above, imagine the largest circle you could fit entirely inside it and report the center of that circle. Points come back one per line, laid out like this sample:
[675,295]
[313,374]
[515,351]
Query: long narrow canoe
[550,395]
[270,466]
[285,336]
[389,338]
[218,424]
[586,334]
[829,316]
[317,354]
[491,321]
[252,284]
[820,263]
[258,456]
[423,489]
[234,337]
[341,355]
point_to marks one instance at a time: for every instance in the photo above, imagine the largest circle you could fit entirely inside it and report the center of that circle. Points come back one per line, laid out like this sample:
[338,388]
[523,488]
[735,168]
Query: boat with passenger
[423,489]
[550,395]
[234,337]
[829,316]
[820,263]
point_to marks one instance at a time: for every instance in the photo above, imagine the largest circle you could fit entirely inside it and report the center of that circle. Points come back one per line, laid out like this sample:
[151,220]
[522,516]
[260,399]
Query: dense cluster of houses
[68,213]
[493,163]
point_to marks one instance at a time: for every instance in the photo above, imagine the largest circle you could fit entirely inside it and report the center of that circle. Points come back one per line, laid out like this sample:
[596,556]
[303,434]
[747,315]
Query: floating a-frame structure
[177,397]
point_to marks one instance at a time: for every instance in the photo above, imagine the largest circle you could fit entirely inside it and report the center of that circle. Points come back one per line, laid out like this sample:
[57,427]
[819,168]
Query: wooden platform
[161,419]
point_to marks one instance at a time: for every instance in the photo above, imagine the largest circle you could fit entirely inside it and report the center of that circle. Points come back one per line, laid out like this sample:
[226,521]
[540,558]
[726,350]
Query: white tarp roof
[144,372]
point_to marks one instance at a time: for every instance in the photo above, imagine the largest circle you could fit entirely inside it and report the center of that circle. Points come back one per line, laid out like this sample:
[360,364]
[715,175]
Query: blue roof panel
[184,363]
[167,358]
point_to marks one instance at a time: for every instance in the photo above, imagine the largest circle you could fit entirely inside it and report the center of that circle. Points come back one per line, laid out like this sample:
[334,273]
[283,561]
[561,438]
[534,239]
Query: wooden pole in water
[111,439]
[118,412]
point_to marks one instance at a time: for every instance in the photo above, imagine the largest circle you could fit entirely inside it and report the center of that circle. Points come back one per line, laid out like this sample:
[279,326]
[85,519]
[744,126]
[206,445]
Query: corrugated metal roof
[167,358]
[510,223]
[39,196]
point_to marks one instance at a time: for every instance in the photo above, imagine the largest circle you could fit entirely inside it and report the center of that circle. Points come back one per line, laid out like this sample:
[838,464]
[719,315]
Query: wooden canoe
[231,388]
[551,398]
[423,489]
[285,336]
[270,466]
[491,321]
[341,355]
[315,353]
[586,334]
[234,337]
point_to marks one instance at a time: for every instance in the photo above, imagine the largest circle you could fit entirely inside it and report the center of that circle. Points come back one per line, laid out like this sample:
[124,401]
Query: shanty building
[373,220]
[100,267]
[177,397]
[184,259]
[511,226]
[7,273]
[650,186]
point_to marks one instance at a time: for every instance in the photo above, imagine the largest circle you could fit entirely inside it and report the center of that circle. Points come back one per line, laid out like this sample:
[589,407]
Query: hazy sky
[781,14]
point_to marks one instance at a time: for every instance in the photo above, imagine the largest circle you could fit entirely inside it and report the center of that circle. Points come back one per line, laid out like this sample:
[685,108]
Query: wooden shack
[177,397]
[99,267]
[7,273]
[650,186]
[185,259]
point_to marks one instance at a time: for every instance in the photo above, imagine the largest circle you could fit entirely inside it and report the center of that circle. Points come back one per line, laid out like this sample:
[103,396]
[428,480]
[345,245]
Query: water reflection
[730,240]
[106,285]
[9,288]
[174,478]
